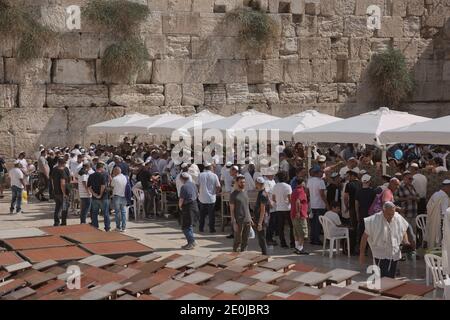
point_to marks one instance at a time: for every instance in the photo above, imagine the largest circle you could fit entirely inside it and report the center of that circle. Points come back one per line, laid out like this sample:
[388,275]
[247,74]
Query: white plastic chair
[434,264]
[138,203]
[421,223]
[326,225]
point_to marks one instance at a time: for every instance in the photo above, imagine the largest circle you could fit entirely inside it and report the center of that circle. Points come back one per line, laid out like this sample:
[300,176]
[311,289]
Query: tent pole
[384,159]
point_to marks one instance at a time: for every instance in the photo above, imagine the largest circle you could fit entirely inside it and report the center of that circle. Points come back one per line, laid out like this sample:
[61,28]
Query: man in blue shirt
[189,208]
[300,174]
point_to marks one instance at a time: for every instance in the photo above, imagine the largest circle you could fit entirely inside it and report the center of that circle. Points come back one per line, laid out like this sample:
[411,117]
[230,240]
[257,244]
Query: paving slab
[35,278]
[285,285]
[8,258]
[97,236]
[127,297]
[141,285]
[264,287]
[18,266]
[357,296]
[312,278]
[19,294]
[199,262]
[118,248]
[268,276]
[129,272]
[125,260]
[239,262]
[303,296]
[149,257]
[60,254]
[45,265]
[197,277]
[249,294]
[21,233]
[36,242]
[231,287]
[226,297]
[4,275]
[341,275]
[408,289]
[11,285]
[102,276]
[278,264]
[385,285]
[49,287]
[194,297]
[180,262]
[97,261]
[72,229]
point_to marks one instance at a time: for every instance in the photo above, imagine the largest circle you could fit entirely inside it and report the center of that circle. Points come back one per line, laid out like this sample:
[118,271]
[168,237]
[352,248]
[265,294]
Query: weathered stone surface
[158,5]
[331,26]
[233,71]
[391,27]
[215,95]
[322,70]
[327,93]
[32,96]
[153,24]
[346,92]
[185,111]
[359,48]
[263,94]
[69,46]
[2,70]
[312,7]
[415,7]
[178,47]
[8,96]
[168,71]
[412,26]
[137,95]
[181,23]
[298,6]
[156,45]
[362,5]
[297,71]
[297,93]
[327,8]
[145,75]
[90,46]
[173,94]
[356,27]
[308,26]
[399,8]
[68,71]
[203,6]
[407,46]
[344,7]
[179,5]
[59,95]
[36,71]
[193,94]
[314,48]
[237,93]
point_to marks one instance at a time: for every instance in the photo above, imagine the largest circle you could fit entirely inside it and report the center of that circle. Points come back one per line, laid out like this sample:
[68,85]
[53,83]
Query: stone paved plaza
[165,236]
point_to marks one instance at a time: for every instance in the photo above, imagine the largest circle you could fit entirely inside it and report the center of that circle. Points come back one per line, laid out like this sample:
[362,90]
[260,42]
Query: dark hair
[352,173]
[100,165]
[61,161]
[239,178]
[299,169]
[282,176]
[300,181]
[335,204]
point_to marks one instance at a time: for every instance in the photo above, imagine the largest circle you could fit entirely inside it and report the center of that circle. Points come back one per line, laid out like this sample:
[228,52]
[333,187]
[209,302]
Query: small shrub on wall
[32,36]
[390,77]
[256,28]
[123,60]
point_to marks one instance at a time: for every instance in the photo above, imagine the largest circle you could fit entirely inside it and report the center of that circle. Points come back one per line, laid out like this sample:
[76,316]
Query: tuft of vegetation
[120,17]
[33,37]
[257,28]
[390,77]
[124,59]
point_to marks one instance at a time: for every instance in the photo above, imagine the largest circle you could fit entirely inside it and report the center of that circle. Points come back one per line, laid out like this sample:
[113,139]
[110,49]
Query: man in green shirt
[240,215]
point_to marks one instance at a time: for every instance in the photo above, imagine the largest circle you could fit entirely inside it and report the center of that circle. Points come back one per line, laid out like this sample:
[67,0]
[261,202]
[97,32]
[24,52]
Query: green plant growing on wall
[256,28]
[390,77]
[32,36]
[125,58]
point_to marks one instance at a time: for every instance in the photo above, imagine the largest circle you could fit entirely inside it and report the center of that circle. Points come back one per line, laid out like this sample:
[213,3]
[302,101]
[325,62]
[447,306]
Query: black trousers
[272,227]
[283,217]
[388,268]
[261,236]
[207,210]
[353,230]
[60,209]
[43,185]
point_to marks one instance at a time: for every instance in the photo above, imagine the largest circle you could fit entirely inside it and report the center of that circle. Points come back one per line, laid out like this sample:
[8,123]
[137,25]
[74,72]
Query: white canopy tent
[365,128]
[240,121]
[185,125]
[116,125]
[146,125]
[435,131]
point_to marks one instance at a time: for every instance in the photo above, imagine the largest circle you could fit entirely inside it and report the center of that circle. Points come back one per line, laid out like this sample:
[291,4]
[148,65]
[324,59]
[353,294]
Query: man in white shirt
[318,202]
[282,198]
[119,184]
[420,183]
[352,164]
[385,232]
[83,191]
[436,208]
[284,164]
[209,186]
[269,184]
[17,186]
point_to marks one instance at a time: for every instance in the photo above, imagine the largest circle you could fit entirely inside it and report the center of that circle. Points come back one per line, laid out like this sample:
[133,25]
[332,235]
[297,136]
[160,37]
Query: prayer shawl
[434,221]
[446,245]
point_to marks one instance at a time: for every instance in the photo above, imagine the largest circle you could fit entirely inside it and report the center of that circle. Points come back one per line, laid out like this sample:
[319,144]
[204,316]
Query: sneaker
[189,247]
[11,211]
[230,236]
[20,212]
[301,252]
[117,230]
[123,230]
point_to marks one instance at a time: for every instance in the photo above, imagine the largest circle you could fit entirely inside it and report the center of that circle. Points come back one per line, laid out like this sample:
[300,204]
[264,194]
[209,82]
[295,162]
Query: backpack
[377,204]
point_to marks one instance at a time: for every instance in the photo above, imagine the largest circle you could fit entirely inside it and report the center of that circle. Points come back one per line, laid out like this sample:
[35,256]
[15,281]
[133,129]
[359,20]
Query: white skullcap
[260,180]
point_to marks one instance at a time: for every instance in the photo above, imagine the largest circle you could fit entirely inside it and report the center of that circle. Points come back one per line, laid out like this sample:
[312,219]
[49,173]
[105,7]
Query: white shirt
[249,182]
[16,174]
[83,192]
[420,183]
[336,220]
[284,166]
[74,167]
[440,169]
[346,169]
[24,163]
[384,237]
[194,171]
[314,186]
[208,182]
[444,203]
[227,180]
[281,191]
[119,184]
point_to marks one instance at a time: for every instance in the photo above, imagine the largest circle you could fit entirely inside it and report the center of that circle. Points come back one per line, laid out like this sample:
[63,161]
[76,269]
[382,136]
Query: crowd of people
[262,200]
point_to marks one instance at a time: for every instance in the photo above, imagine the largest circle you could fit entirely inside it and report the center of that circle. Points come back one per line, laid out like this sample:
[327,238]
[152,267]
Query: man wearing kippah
[385,232]
[436,209]
[189,209]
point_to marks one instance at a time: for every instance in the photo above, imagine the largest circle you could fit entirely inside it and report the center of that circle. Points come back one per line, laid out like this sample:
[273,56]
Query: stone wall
[197,62]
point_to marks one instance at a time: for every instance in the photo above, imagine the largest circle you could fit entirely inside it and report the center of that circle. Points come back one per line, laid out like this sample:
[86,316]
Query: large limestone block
[193,94]
[36,71]
[32,96]
[331,26]
[69,45]
[135,95]
[215,95]
[68,71]
[158,5]
[185,111]
[399,8]
[415,7]
[327,8]
[8,46]
[391,27]
[362,5]
[153,23]
[60,95]
[237,93]
[340,48]
[2,71]
[297,93]
[233,71]
[308,26]
[322,70]
[263,94]
[297,6]
[173,94]
[297,71]
[145,75]
[214,48]
[78,119]
[407,46]
[147,110]
[179,5]
[168,71]
[156,45]
[344,7]
[356,27]
[178,47]
[327,93]
[8,96]
[203,6]
[359,48]
[412,27]
[289,46]
[90,46]
[312,7]
[182,23]
[229,5]
[347,92]
[314,48]
[21,131]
